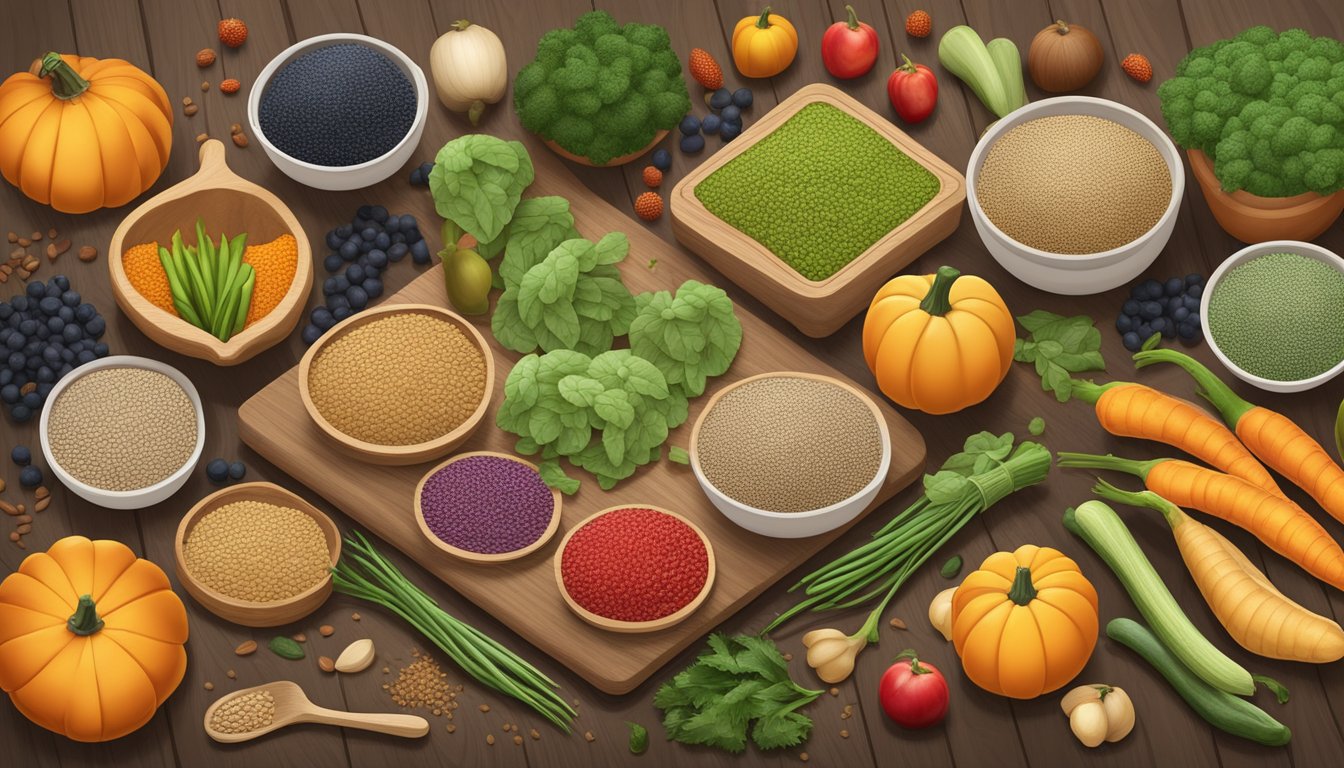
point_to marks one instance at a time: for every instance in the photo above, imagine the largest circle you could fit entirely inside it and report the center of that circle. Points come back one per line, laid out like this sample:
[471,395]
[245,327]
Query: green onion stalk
[881,565]
[364,573]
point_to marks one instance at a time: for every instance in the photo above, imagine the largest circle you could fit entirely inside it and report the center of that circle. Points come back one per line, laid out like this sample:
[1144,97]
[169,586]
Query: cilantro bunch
[1059,346]
[740,685]
[690,336]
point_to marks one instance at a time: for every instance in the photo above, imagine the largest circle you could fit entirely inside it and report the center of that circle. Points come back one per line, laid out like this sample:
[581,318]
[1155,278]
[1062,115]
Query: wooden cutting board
[523,593]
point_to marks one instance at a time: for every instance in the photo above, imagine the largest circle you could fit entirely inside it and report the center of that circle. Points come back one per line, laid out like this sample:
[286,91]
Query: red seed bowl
[616,625]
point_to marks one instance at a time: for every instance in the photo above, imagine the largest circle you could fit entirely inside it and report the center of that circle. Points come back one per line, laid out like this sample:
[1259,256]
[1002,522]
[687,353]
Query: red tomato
[913,91]
[849,48]
[913,693]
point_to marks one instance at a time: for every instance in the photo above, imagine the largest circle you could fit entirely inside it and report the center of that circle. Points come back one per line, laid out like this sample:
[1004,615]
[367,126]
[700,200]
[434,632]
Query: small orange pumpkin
[79,133]
[938,343]
[1025,622]
[764,46]
[91,639]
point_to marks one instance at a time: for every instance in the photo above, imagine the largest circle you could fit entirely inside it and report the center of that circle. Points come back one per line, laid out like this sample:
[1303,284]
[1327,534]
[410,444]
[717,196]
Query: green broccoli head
[1266,107]
[601,89]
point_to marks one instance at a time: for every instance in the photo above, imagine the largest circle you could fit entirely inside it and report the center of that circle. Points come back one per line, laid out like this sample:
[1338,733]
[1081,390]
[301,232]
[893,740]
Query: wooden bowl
[614,625]
[817,308]
[478,557]
[227,203]
[613,162]
[244,612]
[398,455]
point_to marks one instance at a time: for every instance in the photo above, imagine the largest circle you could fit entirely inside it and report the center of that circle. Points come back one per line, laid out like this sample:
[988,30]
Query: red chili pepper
[913,693]
[849,48]
[913,91]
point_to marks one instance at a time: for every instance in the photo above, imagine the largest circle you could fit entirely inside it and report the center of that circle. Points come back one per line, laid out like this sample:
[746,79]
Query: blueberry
[662,159]
[378,213]
[364,212]
[408,222]
[357,297]
[1130,307]
[1187,331]
[217,470]
[382,242]
[329,286]
[334,239]
[321,317]
[1132,341]
[1194,279]
[70,299]
[20,414]
[710,125]
[9,394]
[1179,314]
[693,143]
[366,246]
[368,234]
[1123,324]
[19,303]
[345,230]
[1144,330]
[66,314]
[28,327]
[1151,289]
[690,125]
[393,225]
[61,282]
[427,166]
[36,290]
[85,313]
[1190,302]
[730,131]
[21,455]
[418,177]
[742,98]
[1173,286]
[336,302]
[377,259]
[86,356]
[720,99]
[349,250]
[31,476]
[237,470]
[355,274]
[311,333]
[100,349]
[1150,310]
[52,290]
[342,284]
[333,262]
[45,376]
[409,236]
[420,250]
[340,313]
[731,114]
[373,287]
[72,332]
[1195,291]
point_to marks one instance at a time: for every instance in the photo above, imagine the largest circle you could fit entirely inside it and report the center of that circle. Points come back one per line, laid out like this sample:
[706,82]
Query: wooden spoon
[292,707]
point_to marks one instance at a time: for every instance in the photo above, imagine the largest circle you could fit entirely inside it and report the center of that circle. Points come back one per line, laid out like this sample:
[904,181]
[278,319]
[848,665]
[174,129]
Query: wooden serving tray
[523,594]
[817,308]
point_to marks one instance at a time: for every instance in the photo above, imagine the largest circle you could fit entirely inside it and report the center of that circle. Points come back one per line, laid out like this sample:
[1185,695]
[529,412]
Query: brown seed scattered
[897,624]
[51,233]
[804,757]
[518,740]
[35,236]
[40,493]
[844,734]
[23,274]
[190,110]
[87,253]
[327,664]
[57,247]
[20,544]
[14,536]
[31,263]
[205,85]
[326,630]
[246,648]
[299,637]
[834,691]
[589,737]
[23,519]
[354,616]
[230,86]
[231,675]
[788,657]
[205,57]
[186,100]
[13,237]
[9,509]
[386,670]
[240,140]
[42,504]
[21,508]
[484,707]
[490,739]
[4,276]
[24,242]
[29,387]
[209,686]
[451,728]
[24,529]
[235,129]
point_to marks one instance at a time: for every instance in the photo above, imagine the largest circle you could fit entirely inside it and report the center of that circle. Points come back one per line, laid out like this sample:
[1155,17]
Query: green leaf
[951,568]
[553,475]
[1059,346]
[944,487]
[613,406]
[690,337]
[1036,426]
[639,738]
[477,182]
[678,455]
[1038,319]
[788,729]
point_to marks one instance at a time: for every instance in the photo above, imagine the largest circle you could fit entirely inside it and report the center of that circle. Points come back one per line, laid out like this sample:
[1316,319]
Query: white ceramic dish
[349,176]
[1309,250]
[142,497]
[794,525]
[1087,273]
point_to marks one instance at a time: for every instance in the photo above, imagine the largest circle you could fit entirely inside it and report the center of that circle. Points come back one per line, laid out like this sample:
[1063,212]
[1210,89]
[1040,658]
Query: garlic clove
[940,612]
[1089,692]
[1119,714]
[1088,723]
[356,657]
[832,653]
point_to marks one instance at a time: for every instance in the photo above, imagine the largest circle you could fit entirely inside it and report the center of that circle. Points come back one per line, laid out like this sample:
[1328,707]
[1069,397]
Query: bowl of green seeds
[1273,312]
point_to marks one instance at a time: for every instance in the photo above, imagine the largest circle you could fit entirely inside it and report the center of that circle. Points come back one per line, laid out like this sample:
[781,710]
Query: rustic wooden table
[162,36]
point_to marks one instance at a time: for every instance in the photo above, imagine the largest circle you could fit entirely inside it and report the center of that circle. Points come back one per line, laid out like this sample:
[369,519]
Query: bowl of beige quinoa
[123,432]
[1074,195]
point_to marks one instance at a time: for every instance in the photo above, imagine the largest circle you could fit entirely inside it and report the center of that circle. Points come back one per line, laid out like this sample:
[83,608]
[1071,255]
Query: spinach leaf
[1059,346]
[477,182]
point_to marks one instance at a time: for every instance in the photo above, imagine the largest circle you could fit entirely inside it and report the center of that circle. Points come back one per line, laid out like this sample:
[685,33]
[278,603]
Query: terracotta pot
[613,162]
[1254,219]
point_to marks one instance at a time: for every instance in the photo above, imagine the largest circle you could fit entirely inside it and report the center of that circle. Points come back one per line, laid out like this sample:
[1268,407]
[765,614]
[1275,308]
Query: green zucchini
[1223,711]
[1104,531]
[1008,65]
[964,54]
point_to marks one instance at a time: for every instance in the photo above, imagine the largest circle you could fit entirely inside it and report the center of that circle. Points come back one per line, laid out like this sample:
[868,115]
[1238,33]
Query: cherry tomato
[913,693]
[849,48]
[913,91]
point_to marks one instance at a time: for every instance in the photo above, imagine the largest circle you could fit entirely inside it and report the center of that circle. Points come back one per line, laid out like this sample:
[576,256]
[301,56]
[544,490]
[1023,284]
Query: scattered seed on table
[231,675]
[835,691]
[186,100]
[209,686]
[190,110]
[844,734]
[201,138]
[589,737]
[239,140]
[535,734]
[484,707]
[328,664]
[299,637]
[354,616]
[897,624]
[205,85]
[87,253]
[518,741]
[490,739]
[451,728]
[245,648]
[326,630]
[24,529]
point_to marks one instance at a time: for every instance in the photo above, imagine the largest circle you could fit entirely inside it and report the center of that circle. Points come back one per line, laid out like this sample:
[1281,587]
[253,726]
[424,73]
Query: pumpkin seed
[952,567]
[286,648]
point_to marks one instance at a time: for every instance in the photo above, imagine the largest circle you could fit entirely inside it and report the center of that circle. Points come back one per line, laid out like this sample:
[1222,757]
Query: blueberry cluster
[661,159]
[44,334]
[220,471]
[725,120]
[360,251]
[420,174]
[1170,308]
[30,476]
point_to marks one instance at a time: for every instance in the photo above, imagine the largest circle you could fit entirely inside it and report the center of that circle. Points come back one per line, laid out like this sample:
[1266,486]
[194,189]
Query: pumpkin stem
[915,667]
[85,620]
[937,302]
[461,26]
[853,17]
[1022,591]
[65,81]
[764,21]
[1061,26]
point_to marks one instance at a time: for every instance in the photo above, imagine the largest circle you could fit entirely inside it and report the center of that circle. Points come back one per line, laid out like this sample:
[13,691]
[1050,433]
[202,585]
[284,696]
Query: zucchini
[1221,710]
[1104,531]
[1008,65]
[961,50]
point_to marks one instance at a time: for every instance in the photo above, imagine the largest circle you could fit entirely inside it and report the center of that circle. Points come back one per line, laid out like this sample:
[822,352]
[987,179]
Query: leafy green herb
[678,455]
[477,181]
[1036,426]
[1059,346]
[639,738]
[740,685]
[285,648]
[951,568]
[652,263]
[980,453]
[553,475]
[538,225]
[690,337]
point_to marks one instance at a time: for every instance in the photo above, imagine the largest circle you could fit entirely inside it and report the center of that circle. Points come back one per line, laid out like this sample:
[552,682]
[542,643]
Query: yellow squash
[1025,623]
[764,46]
[938,343]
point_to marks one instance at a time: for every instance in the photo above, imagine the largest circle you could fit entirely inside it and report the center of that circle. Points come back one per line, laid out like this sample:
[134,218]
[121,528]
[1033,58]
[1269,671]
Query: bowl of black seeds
[339,111]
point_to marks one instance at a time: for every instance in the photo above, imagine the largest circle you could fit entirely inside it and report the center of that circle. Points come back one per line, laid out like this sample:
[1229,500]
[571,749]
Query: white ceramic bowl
[1309,250]
[1087,273]
[143,497]
[794,525]
[348,176]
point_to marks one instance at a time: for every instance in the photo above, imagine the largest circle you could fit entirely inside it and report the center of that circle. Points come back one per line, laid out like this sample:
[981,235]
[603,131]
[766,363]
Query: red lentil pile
[634,564]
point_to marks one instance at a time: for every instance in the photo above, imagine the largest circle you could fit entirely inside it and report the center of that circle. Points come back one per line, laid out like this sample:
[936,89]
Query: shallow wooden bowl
[613,625]
[817,308]
[398,455]
[244,612]
[226,203]
[613,162]
[478,557]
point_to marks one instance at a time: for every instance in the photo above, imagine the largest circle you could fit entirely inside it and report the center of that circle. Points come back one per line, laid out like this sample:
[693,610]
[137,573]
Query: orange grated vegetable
[144,270]
[275,263]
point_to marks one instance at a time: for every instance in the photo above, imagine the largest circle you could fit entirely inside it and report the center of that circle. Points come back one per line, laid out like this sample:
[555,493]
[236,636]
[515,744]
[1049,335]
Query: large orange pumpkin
[938,343]
[90,639]
[1025,623]
[79,133]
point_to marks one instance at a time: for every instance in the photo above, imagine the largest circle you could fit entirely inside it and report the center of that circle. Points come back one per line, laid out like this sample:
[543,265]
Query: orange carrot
[1282,525]
[1134,410]
[1278,442]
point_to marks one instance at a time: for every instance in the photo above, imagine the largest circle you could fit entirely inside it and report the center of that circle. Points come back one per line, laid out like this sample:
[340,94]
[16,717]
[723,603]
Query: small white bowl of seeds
[123,432]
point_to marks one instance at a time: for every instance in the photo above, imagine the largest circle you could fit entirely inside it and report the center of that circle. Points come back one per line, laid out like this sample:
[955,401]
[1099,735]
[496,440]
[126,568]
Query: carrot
[1253,611]
[1273,437]
[1134,410]
[1282,525]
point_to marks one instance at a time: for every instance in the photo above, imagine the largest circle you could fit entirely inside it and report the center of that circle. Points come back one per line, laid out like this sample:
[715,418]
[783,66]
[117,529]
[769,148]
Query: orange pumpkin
[90,639]
[764,46]
[79,133]
[938,343]
[1025,623]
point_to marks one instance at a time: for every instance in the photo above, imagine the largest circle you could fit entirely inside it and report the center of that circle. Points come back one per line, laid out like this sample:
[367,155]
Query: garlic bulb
[940,612]
[832,653]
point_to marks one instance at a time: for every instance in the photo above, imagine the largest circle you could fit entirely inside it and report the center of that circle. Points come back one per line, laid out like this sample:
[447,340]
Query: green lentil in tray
[819,190]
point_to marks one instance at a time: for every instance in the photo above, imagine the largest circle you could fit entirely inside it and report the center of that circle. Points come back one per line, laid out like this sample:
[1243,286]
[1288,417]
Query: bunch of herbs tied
[564,305]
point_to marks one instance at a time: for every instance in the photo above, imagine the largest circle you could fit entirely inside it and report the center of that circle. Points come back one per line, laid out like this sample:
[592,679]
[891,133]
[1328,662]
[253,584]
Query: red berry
[1137,66]
[705,69]
[919,24]
[232,32]
[229,86]
[649,206]
[653,178]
